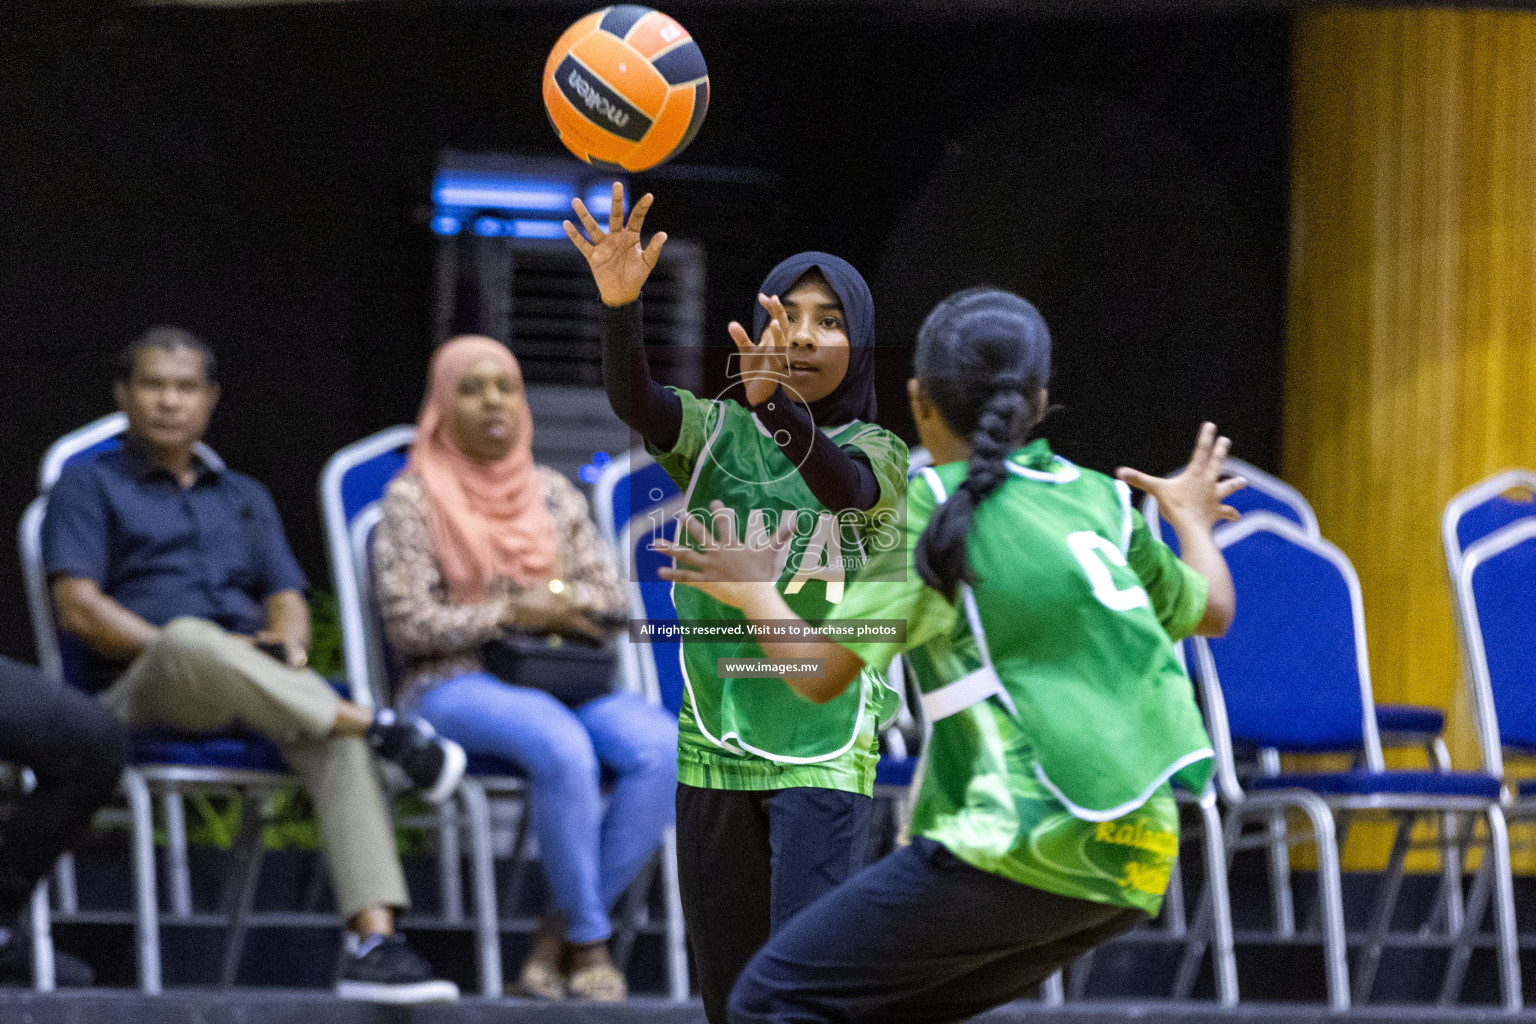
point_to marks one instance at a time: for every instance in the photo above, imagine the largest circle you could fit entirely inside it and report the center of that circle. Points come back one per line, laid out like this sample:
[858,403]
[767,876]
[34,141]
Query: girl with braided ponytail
[1041,617]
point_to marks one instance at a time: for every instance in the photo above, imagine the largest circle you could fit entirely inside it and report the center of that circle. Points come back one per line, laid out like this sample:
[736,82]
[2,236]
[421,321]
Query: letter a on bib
[822,560]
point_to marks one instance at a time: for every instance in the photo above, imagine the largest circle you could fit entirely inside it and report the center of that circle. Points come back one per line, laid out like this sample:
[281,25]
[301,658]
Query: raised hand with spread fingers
[619,265]
[1193,501]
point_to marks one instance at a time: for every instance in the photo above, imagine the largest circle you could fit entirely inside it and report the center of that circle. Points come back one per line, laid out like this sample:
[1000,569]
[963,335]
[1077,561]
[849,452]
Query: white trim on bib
[1130,805]
[1064,473]
[973,687]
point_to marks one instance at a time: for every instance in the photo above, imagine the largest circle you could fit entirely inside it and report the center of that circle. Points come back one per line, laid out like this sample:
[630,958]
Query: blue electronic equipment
[516,197]
[506,269]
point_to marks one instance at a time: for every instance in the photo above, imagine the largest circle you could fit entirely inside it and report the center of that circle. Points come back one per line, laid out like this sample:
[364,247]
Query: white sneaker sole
[435,991]
[454,760]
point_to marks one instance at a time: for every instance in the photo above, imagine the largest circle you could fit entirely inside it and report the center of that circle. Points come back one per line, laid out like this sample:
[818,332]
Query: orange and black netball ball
[626,88]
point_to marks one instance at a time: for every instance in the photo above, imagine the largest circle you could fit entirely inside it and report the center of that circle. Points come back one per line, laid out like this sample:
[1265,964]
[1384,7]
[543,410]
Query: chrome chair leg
[1461,952]
[1078,972]
[1389,886]
[68,895]
[1282,902]
[1174,916]
[146,901]
[1329,885]
[1504,909]
[1212,925]
[1331,894]
[240,887]
[677,939]
[450,869]
[1053,990]
[41,924]
[477,814]
[175,811]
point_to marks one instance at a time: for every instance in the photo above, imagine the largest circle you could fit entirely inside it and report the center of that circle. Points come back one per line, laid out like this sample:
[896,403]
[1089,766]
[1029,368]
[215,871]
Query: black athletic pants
[920,936]
[749,861]
[76,749]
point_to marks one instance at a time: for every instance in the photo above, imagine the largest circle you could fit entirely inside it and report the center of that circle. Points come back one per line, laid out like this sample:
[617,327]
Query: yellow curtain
[1411,348]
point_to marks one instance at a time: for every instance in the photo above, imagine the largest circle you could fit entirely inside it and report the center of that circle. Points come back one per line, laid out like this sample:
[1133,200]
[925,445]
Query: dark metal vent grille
[554,314]
[538,296]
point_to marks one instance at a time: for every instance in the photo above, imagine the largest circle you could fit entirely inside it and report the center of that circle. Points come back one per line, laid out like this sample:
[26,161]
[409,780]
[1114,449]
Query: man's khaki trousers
[197,676]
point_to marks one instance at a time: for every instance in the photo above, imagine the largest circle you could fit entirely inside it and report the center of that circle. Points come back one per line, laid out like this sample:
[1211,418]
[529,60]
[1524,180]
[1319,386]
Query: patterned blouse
[433,638]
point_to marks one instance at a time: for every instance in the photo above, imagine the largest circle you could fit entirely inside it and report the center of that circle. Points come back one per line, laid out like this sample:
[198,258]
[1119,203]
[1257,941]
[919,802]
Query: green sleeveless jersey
[1054,740]
[758,734]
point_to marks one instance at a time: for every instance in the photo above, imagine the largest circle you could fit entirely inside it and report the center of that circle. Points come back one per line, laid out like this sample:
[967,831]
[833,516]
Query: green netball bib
[724,454]
[1070,642]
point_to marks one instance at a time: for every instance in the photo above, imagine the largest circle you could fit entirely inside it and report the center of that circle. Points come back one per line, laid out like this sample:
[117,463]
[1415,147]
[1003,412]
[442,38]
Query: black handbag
[572,671]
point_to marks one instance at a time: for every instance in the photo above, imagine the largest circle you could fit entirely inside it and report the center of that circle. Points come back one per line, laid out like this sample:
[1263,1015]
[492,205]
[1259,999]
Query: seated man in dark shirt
[176,573]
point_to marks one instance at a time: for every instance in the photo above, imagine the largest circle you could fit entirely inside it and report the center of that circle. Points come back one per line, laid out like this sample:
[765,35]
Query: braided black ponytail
[979,342]
[941,560]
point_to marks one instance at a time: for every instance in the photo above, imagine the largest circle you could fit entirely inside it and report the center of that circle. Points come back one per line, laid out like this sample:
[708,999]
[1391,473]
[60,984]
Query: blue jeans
[589,856]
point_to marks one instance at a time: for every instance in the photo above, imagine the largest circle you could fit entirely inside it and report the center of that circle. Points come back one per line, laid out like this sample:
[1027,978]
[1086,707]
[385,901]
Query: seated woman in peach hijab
[477,540]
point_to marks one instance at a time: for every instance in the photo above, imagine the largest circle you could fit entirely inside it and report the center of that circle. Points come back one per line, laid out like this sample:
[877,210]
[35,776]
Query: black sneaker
[433,764]
[383,969]
[16,965]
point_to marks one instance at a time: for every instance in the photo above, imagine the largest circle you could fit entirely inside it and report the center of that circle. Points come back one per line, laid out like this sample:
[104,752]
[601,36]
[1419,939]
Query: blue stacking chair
[1400,725]
[1292,674]
[352,486]
[1496,610]
[1480,510]
[636,503]
[163,763]
[1414,726]
[351,489]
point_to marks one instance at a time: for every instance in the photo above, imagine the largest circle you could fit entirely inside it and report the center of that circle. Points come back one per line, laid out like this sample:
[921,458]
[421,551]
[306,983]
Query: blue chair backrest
[1486,506]
[656,605]
[100,435]
[1292,668]
[1267,493]
[1252,499]
[380,659]
[1264,493]
[636,502]
[631,485]
[353,480]
[61,655]
[365,482]
[1497,604]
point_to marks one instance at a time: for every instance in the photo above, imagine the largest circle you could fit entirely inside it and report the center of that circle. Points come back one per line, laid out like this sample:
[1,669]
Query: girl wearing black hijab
[773,803]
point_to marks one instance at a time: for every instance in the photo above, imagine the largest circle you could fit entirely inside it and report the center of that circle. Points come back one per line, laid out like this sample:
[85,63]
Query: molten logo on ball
[590,95]
[619,117]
